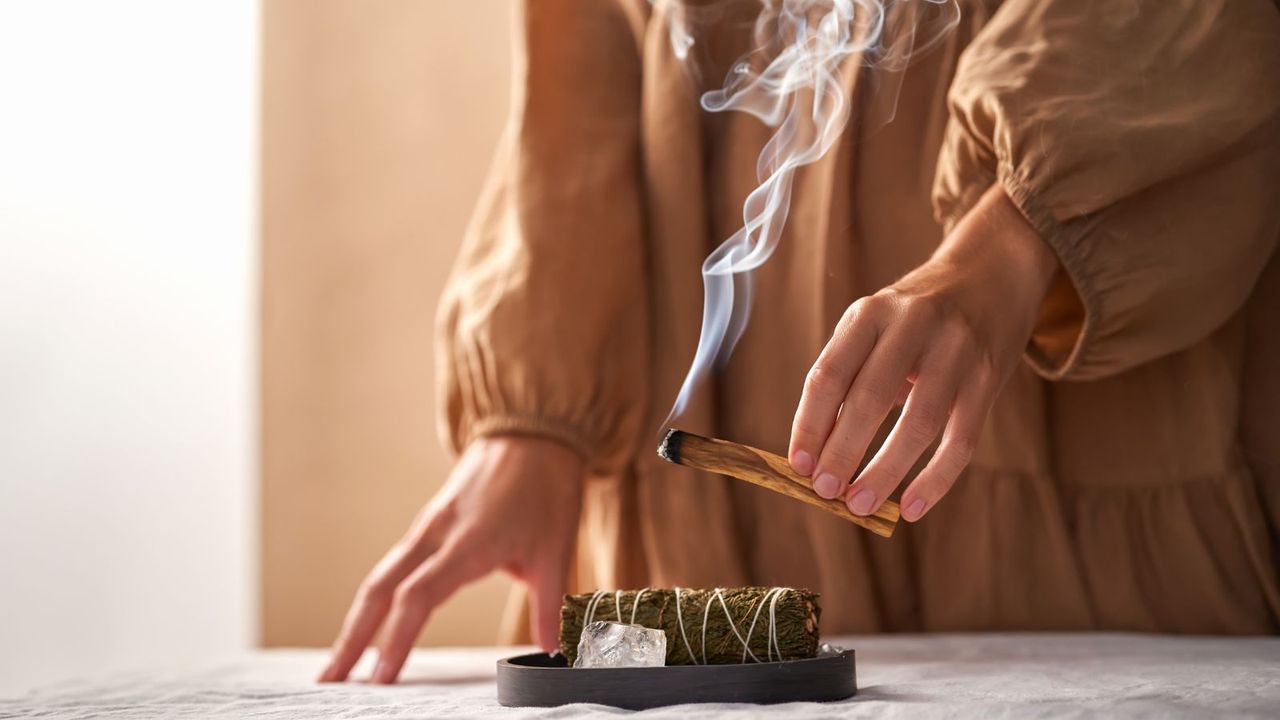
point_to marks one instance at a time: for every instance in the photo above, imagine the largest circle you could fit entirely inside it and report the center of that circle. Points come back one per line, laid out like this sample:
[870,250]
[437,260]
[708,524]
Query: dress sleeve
[542,329]
[1142,140]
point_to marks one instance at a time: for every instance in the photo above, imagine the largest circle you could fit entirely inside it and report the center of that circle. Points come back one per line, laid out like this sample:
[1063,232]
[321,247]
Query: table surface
[1020,675]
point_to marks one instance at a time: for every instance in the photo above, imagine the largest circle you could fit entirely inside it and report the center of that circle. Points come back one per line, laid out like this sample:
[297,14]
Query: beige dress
[1128,477]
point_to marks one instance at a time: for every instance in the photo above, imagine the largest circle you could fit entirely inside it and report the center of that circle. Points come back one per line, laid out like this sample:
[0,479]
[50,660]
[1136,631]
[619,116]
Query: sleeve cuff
[548,428]
[1069,313]
[1070,310]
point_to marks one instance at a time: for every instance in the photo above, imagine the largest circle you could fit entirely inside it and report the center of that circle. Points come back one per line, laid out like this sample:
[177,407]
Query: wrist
[1019,239]
[524,445]
[1004,250]
[532,427]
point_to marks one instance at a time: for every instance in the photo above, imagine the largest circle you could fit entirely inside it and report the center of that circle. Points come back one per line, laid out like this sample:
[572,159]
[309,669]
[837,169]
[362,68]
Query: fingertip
[549,647]
[915,510]
[827,486]
[546,624]
[802,462]
[384,673]
[335,673]
[338,669]
[862,502]
[545,636]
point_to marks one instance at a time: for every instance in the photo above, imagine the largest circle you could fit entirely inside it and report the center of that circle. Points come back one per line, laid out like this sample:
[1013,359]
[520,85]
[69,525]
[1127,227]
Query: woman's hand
[946,337]
[510,503]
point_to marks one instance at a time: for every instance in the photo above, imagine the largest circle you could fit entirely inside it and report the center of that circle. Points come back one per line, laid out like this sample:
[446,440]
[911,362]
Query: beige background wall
[128,298]
[379,119]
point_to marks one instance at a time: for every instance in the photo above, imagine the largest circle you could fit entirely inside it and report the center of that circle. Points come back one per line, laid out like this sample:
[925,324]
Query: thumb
[547,589]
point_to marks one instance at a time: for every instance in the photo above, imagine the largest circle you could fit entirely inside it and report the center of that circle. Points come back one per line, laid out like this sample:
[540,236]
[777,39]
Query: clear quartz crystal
[614,645]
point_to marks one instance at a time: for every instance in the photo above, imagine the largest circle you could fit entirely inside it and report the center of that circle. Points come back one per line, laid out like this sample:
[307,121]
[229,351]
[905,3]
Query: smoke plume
[791,81]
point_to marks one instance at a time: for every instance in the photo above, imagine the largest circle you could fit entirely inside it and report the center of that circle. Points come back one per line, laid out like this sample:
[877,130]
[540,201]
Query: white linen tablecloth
[898,676]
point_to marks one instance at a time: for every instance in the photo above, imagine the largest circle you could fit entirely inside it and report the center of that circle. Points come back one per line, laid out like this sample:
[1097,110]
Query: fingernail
[802,462]
[827,486]
[914,510]
[382,673]
[862,502]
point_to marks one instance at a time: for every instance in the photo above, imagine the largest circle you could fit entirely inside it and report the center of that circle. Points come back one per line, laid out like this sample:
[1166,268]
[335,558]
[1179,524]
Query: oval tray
[540,680]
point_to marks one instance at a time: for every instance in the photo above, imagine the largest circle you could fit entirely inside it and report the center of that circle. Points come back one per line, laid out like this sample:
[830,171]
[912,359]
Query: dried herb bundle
[727,614]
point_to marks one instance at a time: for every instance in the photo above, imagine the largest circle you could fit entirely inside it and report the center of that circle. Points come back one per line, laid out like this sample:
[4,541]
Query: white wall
[127,334]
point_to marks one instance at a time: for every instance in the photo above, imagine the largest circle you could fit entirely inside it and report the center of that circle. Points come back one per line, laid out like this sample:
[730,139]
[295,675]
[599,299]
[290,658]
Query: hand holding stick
[767,470]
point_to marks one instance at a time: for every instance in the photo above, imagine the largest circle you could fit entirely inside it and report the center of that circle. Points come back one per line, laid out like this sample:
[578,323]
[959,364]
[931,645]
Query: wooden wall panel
[379,119]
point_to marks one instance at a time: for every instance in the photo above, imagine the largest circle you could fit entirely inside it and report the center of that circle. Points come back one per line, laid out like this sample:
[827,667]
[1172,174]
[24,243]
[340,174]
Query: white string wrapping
[636,604]
[773,621]
[680,618]
[770,598]
[591,607]
[706,614]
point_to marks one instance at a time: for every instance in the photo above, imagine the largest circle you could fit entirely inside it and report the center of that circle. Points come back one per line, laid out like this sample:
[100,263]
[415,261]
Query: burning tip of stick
[669,448]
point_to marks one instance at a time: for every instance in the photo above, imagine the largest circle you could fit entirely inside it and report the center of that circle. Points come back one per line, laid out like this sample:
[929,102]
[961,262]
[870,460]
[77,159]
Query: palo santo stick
[765,469]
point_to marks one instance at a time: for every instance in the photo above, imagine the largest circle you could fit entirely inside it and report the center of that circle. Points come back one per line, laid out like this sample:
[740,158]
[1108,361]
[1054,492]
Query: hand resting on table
[509,503]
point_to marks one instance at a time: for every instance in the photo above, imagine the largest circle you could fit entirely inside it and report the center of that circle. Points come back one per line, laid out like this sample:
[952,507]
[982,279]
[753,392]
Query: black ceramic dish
[540,680]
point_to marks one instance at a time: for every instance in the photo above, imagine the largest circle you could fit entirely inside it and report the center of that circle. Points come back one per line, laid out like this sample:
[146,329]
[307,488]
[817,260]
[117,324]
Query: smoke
[791,81]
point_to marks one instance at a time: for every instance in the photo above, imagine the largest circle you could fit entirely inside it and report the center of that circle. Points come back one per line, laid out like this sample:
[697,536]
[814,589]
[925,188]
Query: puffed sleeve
[542,329]
[1142,140]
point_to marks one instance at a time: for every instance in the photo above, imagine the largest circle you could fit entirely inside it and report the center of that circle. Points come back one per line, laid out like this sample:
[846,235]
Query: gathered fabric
[1128,476]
